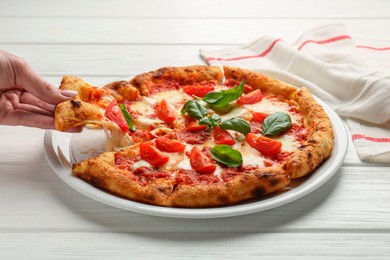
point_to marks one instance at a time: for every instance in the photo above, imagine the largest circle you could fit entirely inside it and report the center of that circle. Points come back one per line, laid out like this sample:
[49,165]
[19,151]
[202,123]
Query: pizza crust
[146,82]
[101,172]
[319,144]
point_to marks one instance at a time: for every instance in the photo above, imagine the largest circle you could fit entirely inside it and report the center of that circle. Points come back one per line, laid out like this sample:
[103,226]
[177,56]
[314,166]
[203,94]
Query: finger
[26,118]
[28,79]
[29,99]
[35,110]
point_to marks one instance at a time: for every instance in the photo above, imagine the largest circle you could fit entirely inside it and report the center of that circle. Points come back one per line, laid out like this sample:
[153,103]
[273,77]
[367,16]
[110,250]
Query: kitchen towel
[351,75]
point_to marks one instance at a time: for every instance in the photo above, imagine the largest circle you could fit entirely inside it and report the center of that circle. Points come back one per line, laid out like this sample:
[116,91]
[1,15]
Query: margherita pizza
[198,136]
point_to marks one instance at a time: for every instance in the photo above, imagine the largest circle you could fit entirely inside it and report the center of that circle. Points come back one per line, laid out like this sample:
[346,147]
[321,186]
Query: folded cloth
[352,76]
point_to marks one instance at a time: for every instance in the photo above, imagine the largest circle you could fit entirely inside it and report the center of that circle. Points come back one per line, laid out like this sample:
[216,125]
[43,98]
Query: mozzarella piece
[235,112]
[184,164]
[250,155]
[218,173]
[116,138]
[140,163]
[271,106]
[253,160]
[173,97]
[107,97]
[174,160]
[149,101]
[288,143]
[142,107]
[268,106]
[148,123]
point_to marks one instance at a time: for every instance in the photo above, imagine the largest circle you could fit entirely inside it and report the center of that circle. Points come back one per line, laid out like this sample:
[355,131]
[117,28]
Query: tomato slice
[259,116]
[264,145]
[222,136]
[200,162]
[165,112]
[199,91]
[152,155]
[114,113]
[250,98]
[193,126]
[168,145]
[247,89]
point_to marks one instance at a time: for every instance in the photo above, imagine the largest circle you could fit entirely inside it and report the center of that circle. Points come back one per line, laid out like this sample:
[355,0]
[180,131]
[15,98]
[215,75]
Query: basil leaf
[226,155]
[236,124]
[221,98]
[276,123]
[211,121]
[194,109]
[127,116]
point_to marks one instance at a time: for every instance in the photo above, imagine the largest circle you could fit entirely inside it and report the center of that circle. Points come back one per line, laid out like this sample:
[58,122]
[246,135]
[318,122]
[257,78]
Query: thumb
[27,78]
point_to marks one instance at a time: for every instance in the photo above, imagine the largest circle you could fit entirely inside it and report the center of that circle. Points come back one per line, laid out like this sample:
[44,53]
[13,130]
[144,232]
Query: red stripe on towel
[373,48]
[370,138]
[333,39]
[269,49]
[264,53]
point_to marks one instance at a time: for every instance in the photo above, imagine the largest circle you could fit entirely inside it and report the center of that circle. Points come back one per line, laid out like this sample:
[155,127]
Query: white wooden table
[43,218]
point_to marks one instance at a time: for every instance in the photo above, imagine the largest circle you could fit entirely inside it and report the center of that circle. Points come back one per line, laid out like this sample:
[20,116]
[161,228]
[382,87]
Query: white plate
[63,149]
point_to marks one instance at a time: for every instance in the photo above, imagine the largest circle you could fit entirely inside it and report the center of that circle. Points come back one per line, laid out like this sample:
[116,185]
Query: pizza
[198,136]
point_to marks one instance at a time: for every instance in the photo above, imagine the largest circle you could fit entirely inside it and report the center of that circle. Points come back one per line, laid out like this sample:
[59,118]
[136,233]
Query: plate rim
[62,169]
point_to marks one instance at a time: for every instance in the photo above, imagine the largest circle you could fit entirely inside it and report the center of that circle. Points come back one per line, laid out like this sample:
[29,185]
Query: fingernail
[69,93]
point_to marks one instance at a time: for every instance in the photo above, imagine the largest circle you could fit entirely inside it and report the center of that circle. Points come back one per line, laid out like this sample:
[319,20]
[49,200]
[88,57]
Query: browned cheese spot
[75,103]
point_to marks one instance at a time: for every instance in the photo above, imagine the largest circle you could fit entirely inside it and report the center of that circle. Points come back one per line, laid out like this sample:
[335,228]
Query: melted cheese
[149,101]
[268,106]
[250,156]
[173,97]
[236,112]
[218,172]
[174,160]
[116,138]
[107,97]
[143,107]
[184,164]
[148,123]
[288,143]
[140,163]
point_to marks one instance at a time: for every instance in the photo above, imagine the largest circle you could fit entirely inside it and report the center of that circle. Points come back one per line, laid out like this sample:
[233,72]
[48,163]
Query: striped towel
[351,75]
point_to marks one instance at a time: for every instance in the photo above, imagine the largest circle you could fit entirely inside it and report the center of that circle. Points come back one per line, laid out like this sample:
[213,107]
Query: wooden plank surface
[118,245]
[201,31]
[194,9]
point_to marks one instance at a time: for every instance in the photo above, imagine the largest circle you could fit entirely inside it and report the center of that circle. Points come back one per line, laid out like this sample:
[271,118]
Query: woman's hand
[26,98]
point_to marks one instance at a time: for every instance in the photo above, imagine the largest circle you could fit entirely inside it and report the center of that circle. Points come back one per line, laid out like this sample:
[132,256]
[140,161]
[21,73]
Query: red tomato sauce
[256,127]
[299,132]
[143,175]
[166,85]
[95,95]
[146,175]
[142,136]
[198,137]
[125,162]
[190,177]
